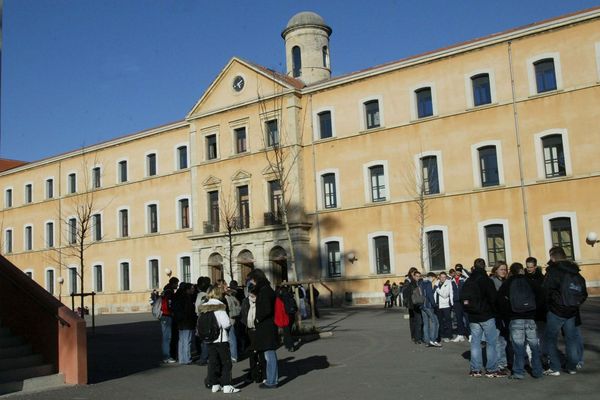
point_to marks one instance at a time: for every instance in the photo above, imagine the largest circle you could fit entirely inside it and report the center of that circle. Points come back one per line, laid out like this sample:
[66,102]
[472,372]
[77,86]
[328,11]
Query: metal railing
[273,218]
[211,227]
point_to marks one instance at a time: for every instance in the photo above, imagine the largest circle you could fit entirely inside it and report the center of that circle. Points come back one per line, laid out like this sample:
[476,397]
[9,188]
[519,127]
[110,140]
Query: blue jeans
[553,325]
[501,350]
[524,332]
[272,372]
[165,325]
[233,342]
[478,329]
[185,346]
[579,345]
[430,325]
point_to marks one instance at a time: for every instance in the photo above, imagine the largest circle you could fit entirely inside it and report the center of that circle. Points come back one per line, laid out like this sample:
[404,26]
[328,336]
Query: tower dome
[306,38]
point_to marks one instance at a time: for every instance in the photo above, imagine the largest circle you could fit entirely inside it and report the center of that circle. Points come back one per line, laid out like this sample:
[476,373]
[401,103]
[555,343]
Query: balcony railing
[242,222]
[211,227]
[273,218]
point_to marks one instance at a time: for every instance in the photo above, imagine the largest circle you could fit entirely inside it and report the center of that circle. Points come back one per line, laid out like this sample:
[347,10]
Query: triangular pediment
[241,175]
[258,82]
[268,171]
[211,181]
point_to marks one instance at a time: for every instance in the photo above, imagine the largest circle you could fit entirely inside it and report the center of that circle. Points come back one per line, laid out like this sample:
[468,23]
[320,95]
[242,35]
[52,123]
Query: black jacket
[488,294]
[183,311]
[503,304]
[537,279]
[266,331]
[554,276]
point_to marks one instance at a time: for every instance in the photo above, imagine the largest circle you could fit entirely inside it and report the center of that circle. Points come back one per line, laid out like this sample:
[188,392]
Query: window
[429,168]
[97,227]
[72,230]
[554,156]
[72,183]
[212,225]
[29,274]
[545,75]
[8,198]
[124,274]
[49,234]
[488,166]
[334,259]
[73,278]
[241,145]
[243,207]
[49,188]
[186,272]
[297,61]
[496,249]
[8,241]
[424,102]
[96,178]
[378,190]
[183,207]
[382,254]
[325,57]
[122,171]
[435,250]
[28,238]
[124,223]
[28,193]
[482,93]
[562,235]
[182,157]
[154,277]
[372,114]
[211,147]
[152,210]
[325,126]
[98,284]
[329,190]
[151,164]
[275,197]
[272,129]
[50,281]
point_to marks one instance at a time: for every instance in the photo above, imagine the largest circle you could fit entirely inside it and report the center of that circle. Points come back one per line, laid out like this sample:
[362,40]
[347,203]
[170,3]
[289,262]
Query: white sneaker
[550,372]
[169,361]
[216,388]
[458,338]
[435,344]
[445,340]
[230,389]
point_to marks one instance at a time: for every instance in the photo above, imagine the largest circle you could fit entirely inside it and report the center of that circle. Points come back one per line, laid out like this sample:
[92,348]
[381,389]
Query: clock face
[238,83]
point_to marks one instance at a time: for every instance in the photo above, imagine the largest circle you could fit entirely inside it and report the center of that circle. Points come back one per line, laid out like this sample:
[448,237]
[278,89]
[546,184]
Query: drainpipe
[315,183]
[519,151]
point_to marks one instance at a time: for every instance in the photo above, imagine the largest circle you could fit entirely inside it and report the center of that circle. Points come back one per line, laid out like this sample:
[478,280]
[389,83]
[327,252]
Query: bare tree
[228,213]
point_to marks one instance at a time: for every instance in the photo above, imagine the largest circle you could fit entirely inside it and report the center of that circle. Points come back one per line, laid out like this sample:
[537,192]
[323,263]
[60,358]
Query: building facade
[484,149]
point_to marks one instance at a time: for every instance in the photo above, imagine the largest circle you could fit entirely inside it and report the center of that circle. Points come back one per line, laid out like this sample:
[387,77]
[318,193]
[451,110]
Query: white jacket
[221,316]
[444,294]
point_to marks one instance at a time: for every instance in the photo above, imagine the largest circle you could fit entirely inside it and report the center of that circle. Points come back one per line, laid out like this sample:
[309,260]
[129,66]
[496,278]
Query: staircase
[20,369]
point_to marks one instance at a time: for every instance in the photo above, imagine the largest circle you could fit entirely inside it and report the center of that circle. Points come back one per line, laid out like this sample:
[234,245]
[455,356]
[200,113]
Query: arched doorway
[245,261]
[278,259]
[215,263]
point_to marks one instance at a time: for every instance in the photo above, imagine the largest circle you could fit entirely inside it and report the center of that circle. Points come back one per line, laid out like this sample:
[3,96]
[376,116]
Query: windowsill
[320,140]
[554,179]
[482,106]
[484,188]
[433,195]
[337,208]
[152,234]
[422,119]
[547,93]
[238,155]
[373,129]
[206,162]
[375,203]
[376,275]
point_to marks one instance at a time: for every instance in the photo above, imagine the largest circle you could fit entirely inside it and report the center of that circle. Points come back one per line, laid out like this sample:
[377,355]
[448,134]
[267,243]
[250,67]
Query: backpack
[470,296]
[290,304]
[157,307]
[234,306]
[417,297]
[522,297]
[572,290]
[207,327]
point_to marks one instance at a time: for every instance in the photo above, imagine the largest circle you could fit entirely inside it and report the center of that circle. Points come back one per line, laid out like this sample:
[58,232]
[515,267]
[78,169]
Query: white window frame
[118,219]
[431,228]
[67,185]
[413,101]
[320,193]
[46,283]
[244,123]
[469,87]
[46,188]
[147,167]
[597,46]
[476,166]
[12,196]
[94,281]
[176,156]
[483,242]
[25,237]
[362,112]
[46,234]
[372,258]
[118,169]
[25,192]
[178,210]
[147,216]
[367,181]
[68,228]
[12,240]
[572,215]
[93,226]
[317,130]
[419,170]
[205,135]
[324,259]
[149,271]
[180,265]
[539,151]
[531,72]
[119,262]
[92,176]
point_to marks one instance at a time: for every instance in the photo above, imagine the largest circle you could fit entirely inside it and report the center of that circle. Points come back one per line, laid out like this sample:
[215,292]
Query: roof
[6,164]
[295,83]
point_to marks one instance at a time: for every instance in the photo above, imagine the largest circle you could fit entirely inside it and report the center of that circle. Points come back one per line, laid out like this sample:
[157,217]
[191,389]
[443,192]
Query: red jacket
[281,317]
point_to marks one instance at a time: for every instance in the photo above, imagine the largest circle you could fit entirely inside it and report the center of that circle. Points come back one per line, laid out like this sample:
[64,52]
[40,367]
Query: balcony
[273,218]
[211,227]
[242,222]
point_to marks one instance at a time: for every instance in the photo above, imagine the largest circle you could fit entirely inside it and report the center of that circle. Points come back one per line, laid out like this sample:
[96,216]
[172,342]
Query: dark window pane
[372,114]
[49,188]
[325,56]
[96,183]
[378,189]
[125,276]
[186,273]
[72,230]
[272,133]
[184,213]
[98,278]
[424,102]
[325,128]
[122,171]
[494,236]
[213,210]
[545,75]
[153,218]
[435,249]
[481,90]
[124,222]
[488,166]
[97,222]
[382,254]
[297,61]
[429,167]
[151,164]
[154,277]
[329,191]
[334,259]
[73,278]
[182,157]
[244,207]
[28,193]
[554,156]
[50,234]
[50,281]
[562,235]
[240,140]
[72,183]
[211,147]
[276,196]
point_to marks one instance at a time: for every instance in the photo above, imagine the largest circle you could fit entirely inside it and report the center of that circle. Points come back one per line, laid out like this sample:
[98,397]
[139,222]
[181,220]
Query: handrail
[62,321]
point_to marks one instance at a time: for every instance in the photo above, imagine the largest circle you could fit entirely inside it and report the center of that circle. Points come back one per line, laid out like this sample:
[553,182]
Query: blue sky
[78,72]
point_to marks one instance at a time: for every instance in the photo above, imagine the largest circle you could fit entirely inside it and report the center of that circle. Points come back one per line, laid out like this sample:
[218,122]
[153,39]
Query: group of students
[517,311]
[223,321]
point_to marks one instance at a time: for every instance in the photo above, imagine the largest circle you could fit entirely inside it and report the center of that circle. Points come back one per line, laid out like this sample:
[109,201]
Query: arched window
[297,61]
[325,57]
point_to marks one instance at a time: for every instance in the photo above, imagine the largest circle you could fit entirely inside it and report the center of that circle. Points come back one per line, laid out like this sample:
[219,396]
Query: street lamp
[592,238]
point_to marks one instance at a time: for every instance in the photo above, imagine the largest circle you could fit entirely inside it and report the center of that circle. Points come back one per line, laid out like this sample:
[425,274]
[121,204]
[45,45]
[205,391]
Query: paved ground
[369,356]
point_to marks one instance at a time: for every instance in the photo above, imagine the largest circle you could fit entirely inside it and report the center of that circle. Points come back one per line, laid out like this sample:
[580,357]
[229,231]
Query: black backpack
[289,303]
[572,290]
[470,296]
[207,327]
[522,297]
[416,297]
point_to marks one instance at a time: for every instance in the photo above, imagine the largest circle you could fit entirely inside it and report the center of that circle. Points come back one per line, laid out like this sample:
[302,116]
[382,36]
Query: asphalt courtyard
[369,355]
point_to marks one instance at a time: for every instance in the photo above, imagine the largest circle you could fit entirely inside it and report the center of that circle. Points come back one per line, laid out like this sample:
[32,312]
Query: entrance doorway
[215,263]
[278,260]
[245,262]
